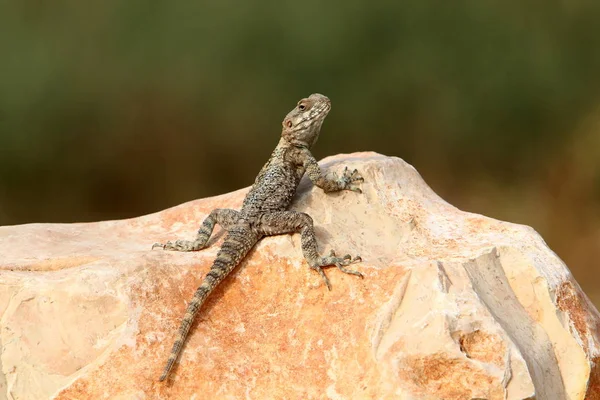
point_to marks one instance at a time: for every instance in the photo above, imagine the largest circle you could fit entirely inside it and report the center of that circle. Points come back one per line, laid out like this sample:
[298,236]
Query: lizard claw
[349,180]
[340,263]
[355,176]
[347,260]
[325,278]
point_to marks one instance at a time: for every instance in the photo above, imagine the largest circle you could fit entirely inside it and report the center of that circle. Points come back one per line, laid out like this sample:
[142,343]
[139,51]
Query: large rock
[453,306]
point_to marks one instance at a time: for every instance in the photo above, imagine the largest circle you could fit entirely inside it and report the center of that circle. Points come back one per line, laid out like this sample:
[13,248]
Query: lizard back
[276,182]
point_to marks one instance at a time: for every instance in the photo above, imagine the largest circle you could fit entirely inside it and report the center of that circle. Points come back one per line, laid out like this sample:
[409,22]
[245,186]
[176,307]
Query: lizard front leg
[280,222]
[348,181]
[222,216]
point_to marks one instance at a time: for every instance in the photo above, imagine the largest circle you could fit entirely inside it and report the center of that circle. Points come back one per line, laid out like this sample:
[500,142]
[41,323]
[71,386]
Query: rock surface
[453,305]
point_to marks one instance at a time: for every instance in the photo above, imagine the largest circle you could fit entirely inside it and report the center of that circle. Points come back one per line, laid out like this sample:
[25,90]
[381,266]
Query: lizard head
[302,125]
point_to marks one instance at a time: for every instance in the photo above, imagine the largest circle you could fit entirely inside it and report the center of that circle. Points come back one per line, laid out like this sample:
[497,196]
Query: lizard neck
[285,142]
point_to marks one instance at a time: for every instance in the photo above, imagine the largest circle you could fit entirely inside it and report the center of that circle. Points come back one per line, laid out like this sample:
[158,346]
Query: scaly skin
[264,211]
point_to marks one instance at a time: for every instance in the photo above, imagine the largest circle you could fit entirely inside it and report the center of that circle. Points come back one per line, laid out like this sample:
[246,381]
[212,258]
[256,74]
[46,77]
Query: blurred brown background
[119,108]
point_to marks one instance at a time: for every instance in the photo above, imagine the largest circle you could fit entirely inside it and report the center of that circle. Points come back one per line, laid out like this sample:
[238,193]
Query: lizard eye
[301,107]
[288,123]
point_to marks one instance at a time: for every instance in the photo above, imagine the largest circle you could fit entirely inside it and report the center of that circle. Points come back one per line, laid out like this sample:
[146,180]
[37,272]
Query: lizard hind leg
[222,216]
[280,222]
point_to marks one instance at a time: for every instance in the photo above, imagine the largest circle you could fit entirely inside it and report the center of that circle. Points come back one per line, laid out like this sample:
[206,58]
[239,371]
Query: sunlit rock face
[453,305]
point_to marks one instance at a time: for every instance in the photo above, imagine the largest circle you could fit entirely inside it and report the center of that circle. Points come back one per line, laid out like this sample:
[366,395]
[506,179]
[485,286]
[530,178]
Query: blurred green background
[119,108]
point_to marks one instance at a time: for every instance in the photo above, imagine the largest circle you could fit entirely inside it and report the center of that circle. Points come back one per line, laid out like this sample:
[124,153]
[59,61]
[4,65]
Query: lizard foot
[350,180]
[340,263]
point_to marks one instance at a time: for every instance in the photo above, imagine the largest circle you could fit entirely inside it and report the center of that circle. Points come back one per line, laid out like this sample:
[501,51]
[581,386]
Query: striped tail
[235,247]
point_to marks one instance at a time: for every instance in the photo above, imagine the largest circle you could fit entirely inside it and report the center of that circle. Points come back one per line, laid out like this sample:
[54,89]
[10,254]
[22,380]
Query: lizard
[264,210]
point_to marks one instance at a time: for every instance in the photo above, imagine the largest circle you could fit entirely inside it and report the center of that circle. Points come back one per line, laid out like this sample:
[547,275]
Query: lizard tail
[234,248]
